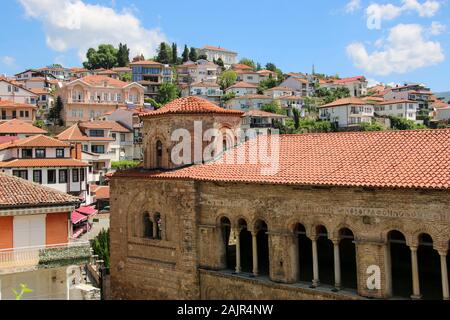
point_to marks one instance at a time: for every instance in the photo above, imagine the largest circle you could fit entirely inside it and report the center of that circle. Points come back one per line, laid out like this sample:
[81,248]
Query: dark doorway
[262,240]
[401,273]
[229,244]
[347,255]
[304,254]
[246,247]
[325,254]
[429,269]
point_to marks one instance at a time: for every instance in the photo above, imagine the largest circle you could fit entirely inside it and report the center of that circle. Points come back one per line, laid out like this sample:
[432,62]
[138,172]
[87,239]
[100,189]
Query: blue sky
[411,42]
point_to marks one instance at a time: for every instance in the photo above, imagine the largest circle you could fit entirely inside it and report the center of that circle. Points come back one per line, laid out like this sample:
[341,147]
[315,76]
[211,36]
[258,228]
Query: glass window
[62,176]
[98,149]
[97,133]
[40,153]
[37,176]
[21,174]
[75,175]
[51,176]
[60,153]
[122,137]
[27,153]
[82,174]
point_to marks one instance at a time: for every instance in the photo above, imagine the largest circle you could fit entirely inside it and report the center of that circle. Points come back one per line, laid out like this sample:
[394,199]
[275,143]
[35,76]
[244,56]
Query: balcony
[44,257]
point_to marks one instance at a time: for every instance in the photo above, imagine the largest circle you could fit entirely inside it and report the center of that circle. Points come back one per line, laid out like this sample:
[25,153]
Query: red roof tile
[44,163]
[99,81]
[191,105]
[394,159]
[74,133]
[11,104]
[17,126]
[35,141]
[242,84]
[345,102]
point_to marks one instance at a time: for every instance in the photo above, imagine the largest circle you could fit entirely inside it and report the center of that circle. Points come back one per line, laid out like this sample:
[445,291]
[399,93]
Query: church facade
[344,216]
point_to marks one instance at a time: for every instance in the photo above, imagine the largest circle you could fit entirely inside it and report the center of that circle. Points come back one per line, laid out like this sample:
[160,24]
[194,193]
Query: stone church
[344,215]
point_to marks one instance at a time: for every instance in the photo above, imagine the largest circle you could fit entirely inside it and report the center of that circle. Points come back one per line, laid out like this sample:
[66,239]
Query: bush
[404,124]
[124,164]
[371,126]
[100,246]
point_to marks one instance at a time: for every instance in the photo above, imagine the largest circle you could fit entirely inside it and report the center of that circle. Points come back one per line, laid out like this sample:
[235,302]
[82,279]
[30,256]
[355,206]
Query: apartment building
[90,97]
[56,71]
[266,74]
[35,244]
[406,109]
[207,90]
[15,110]
[46,161]
[195,72]
[258,119]
[248,102]
[288,103]
[242,89]
[278,92]
[357,86]
[151,75]
[347,112]
[15,92]
[303,86]
[215,53]
[20,129]
[249,76]
[414,92]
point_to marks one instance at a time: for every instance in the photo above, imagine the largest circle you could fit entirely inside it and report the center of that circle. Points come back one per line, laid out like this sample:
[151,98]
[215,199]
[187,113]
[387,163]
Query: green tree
[331,95]
[272,108]
[152,102]
[228,96]
[105,57]
[23,289]
[193,56]
[127,77]
[185,55]
[258,67]
[167,93]
[220,63]
[174,53]
[271,66]
[55,113]
[39,124]
[267,84]
[248,62]
[296,115]
[227,79]
[100,246]
[123,55]
[203,57]
[404,124]
[164,53]
[374,126]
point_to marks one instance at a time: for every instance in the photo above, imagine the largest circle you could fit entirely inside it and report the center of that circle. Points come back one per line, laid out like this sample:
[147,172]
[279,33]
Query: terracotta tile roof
[205,84]
[40,91]
[121,69]
[107,72]
[35,141]
[11,104]
[264,72]
[112,125]
[5,139]
[240,66]
[17,126]
[286,89]
[146,63]
[351,79]
[395,102]
[373,98]
[252,96]
[345,102]
[101,192]
[391,159]
[42,163]
[242,84]
[19,192]
[217,49]
[98,81]
[74,133]
[190,105]
[263,114]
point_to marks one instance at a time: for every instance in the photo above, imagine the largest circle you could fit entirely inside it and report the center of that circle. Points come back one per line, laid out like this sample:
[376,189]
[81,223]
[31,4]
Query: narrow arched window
[159,151]
[158,226]
[148,226]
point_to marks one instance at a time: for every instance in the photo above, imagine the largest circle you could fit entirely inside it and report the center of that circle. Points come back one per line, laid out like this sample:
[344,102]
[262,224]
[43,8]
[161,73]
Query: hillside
[445,95]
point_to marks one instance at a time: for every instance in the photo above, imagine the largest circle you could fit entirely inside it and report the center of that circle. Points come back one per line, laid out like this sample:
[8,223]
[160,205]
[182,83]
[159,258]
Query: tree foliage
[127,77]
[267,84]
[123,55]
[248,62]
[167,93]
[164,53]
[374,126]
[193,55]
[271,67]
[331,95]
[100,246]
[174,53]
[185,55]
[54,114]
[272,108]
[153,102]
[104,57]
[404,124]
[227,79]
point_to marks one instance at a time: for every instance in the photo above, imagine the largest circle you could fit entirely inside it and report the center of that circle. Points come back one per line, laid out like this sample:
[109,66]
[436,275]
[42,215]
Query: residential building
[288,103]
[19,128]
[78,73]
[108,73]
[266,74]
[280,91]
[151,75]
[248,102]
[45,102]
[35,242]
[413,92]
[242,89]
[15,110]
[208,90]
[301,85]
[195,72]
[241,67]
[90,97]
[306,224]
[248,76]
[406,109]
[215,53]
[257,119]
[45,161]
[121,71]
[347,112]
[14,91]
[57,72]
[357,86]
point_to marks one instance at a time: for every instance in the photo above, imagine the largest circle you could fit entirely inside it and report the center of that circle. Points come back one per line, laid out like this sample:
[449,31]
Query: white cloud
[353,5]
[437,28]
[405,50]
[74,24]
[426,9]
[372,82]
[8,61]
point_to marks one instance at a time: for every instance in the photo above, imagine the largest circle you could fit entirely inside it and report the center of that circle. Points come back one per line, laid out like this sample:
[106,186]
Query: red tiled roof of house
[16,126]
[19,192]
[11,104]
[5,139]
[385,159]
[217,49]
[205,84]
[35,141]
[351,79]
[344,102]
[99,81]
[395,102]
[263,114]
[101,192]
[252,96]
[42,163]
[242,84]
[264,71]
[74,133]
[112,125]
[240,66]
[190,105]
[146,63]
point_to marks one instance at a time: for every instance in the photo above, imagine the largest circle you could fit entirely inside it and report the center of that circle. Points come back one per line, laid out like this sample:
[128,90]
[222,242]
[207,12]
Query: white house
[207,90]
[13,91]
[249,76]
[347,112]
[215,53]
[399,108]
[248,102]
[242,89]
[356,85]
[278,92]
[20,129]
[199,71]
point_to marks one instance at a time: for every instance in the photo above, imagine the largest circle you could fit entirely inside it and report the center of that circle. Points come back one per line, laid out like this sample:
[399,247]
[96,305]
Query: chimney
[76,151]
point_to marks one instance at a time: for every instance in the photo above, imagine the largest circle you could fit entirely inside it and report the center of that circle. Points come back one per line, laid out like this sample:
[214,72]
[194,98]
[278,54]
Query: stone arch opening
[245,241]
[262,245]
[304,247]
[347,255]
[400,261]
[148,226]
[159,154]
[429,268]
[325,253]
[229,243]
[157,226]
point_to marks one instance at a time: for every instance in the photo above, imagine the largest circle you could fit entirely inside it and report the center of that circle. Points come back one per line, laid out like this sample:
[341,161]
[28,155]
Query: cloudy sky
[391,41]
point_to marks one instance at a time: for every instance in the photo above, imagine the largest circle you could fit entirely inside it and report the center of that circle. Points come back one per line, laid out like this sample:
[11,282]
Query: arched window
[148,226]
[159,153]
[158,226]
[400,264]
[429,266]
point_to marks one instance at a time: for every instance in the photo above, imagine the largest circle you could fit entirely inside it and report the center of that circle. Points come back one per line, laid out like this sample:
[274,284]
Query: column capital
[413,248]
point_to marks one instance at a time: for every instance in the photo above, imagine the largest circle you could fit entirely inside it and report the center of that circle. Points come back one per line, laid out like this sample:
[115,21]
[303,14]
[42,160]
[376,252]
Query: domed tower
[185,120]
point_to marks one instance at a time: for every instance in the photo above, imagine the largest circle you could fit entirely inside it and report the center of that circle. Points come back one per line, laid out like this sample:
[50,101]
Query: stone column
[316,281]
[444,275]
[237,231]
[255,253]
[415,274]
[337,266]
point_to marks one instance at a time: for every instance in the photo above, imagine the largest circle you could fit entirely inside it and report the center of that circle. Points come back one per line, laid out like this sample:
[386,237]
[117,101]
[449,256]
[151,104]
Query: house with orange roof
[248,102]
[206,89]
[89,97]
[16,110]
[46,161]
[35,242]
[357,86]
[280,91]
[151,75]
[249,76]
[214,53]
[347,112]
[194,72]
[266,74]
[242,88]
[406,109]
[20,129]
[258,119]
[413,92]
[15,92]
[305,86]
